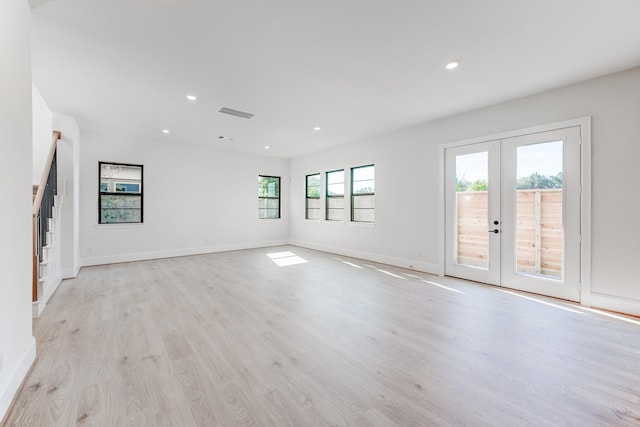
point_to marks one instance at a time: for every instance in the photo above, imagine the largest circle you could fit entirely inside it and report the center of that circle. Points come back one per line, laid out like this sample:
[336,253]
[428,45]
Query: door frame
[584,123]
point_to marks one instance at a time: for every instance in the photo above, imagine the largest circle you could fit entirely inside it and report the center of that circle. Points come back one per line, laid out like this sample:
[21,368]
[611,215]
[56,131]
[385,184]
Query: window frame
[139,194]
[355,195]
[307,197]
[270,198]
[328,197]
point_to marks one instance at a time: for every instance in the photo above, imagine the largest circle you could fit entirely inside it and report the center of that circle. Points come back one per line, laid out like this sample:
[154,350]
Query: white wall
[17,346]
[69,188]
[42,133]
[408,199]
[400,215]
[196,200]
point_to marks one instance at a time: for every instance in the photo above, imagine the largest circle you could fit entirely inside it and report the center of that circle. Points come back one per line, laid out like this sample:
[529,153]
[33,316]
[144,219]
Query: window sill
[334,222]
[362,224]
[119,226]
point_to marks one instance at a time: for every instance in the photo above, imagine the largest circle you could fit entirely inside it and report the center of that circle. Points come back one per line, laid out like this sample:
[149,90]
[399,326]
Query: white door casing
[502,158]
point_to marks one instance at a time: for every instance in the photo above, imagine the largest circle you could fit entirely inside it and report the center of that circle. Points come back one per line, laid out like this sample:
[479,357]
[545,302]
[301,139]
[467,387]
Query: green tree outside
[535,181]
[268,186]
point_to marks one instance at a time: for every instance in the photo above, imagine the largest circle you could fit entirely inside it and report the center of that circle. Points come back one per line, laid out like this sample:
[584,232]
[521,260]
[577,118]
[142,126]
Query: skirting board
[369,256]
[48,289]
[613,303]
[37,307]
[70,273]
[9,389]
[171,253]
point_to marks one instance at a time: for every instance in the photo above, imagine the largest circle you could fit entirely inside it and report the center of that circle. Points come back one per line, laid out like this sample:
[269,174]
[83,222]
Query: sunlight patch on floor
[442,286]
[350,263]
[434,283]
[550,304]
[388,273]
[285,259]
[612,315]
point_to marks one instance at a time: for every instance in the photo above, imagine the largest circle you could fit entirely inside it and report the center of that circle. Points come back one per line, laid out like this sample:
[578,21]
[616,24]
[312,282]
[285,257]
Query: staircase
[46,234]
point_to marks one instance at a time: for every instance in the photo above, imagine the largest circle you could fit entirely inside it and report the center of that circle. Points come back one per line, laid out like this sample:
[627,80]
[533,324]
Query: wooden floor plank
[233,339]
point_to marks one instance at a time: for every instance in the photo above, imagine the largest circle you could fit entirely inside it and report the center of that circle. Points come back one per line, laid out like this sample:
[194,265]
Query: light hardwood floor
[233,339]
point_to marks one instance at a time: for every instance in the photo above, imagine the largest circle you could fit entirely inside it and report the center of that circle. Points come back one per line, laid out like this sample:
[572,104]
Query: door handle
[496,231]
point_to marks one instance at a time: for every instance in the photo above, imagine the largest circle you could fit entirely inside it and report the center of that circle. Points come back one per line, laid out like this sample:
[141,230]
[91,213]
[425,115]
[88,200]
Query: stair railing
[43,203]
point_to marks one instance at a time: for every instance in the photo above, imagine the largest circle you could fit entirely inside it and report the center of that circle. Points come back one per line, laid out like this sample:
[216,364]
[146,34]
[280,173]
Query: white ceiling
[357,68]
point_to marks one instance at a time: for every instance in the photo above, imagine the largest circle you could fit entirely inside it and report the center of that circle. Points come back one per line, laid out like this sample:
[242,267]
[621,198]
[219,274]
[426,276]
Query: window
[268,197]
[335,195]
[363,188]
[313,197]
[120,199]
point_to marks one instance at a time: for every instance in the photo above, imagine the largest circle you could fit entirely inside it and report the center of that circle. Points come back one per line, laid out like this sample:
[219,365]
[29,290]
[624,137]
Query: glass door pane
[472,220]
[539,209]
[472,209]
[540,213]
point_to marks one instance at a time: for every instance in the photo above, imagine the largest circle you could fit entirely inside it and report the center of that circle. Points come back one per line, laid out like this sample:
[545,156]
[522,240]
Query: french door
[513,212]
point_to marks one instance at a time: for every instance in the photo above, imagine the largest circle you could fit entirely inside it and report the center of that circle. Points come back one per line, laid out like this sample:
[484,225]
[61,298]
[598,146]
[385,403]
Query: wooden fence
[539,231]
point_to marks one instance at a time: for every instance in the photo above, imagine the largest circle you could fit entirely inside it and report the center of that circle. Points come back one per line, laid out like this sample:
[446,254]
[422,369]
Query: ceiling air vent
[236,113]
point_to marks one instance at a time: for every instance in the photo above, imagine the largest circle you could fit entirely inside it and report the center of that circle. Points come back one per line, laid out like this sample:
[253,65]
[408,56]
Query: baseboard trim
[9,392]
[613,303]
[172,253]
[50,286]
[70,273]
[48,289]
[37,307]
[410,264]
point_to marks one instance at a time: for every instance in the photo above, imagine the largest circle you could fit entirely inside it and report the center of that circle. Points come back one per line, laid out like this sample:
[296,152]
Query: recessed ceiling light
[453,65]
[192,97]
[317,128]
[165,131]
[266,147]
